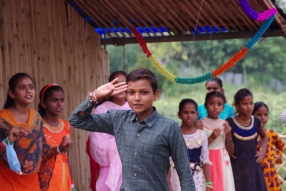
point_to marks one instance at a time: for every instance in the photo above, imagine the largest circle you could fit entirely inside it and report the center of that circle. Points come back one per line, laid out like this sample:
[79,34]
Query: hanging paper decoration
[224,67]
[256,15]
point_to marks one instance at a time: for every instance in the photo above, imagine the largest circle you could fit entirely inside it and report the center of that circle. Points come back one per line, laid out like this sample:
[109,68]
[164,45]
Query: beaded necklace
[244,127]
[244,133]
[54,130]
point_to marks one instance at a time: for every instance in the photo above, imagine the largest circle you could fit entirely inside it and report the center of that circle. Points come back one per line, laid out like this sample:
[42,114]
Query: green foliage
[266,60]
[191,59]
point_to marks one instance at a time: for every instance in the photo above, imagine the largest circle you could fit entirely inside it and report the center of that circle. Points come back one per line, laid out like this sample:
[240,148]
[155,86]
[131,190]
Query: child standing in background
[219,142]
[215,84]
[197,144]
[102,146]
[275,148]
[245,129]
[54,172]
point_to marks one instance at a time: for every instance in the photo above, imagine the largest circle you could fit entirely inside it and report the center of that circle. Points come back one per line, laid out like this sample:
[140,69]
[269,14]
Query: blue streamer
[260,32]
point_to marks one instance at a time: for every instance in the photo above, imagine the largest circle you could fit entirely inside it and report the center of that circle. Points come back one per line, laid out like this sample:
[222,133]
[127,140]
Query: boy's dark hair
[216,94]
[12,85]
[241,94]
[143,73]
[258,105]
[47,93]
[185,101]
[215,79]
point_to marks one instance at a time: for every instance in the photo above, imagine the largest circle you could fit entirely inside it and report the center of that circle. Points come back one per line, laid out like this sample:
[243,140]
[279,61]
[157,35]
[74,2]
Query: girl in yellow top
[274,150]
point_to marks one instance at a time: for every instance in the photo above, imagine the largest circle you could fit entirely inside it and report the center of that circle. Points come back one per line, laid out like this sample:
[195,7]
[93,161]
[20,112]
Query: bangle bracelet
[92,97]
[210,187]
[59,151]
[209,183]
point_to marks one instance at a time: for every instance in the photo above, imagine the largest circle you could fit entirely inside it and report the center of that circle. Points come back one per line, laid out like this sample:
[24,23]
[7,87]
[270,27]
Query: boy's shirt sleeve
[179,154]
[82,118]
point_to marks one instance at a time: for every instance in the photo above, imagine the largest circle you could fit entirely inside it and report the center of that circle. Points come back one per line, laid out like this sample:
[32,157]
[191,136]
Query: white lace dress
[196,140]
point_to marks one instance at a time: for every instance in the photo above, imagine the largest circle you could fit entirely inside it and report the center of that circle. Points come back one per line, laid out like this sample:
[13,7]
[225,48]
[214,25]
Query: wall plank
[53,45]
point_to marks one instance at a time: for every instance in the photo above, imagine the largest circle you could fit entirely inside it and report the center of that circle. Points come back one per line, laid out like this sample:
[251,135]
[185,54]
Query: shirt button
[138,134]
[135,153]
[135,174]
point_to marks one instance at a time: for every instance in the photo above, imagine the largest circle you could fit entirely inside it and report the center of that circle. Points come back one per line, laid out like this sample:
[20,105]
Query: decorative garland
[224,67]
[256,15]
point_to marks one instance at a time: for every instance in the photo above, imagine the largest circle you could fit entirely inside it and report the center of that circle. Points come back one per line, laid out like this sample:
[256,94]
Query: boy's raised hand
[110,89]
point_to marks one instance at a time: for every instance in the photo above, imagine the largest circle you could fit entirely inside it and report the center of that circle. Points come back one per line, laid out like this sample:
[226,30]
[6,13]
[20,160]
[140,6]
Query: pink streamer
[266,14]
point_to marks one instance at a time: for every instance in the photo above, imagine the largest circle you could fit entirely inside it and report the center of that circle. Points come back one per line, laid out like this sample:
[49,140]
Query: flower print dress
[275,148]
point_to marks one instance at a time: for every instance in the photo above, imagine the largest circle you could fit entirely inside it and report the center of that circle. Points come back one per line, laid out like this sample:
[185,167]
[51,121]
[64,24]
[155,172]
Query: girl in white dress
[197,146]
[219,142]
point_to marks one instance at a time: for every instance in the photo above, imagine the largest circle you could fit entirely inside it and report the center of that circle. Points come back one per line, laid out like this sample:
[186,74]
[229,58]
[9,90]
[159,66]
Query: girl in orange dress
[274,150]
[21,132]
[54,172]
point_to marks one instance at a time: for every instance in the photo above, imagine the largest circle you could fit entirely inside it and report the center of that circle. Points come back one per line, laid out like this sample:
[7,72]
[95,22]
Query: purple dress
[247,172]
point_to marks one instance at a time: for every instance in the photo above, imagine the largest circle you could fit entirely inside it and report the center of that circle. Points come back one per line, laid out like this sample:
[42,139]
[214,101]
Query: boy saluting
[144,138]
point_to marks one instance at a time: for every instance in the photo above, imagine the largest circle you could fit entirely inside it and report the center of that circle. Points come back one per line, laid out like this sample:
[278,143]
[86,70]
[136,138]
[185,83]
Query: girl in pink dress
[219,142]
[103,149]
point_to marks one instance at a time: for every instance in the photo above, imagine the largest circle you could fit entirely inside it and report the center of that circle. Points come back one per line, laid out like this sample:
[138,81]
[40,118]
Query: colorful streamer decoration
[256,15]
[224,67]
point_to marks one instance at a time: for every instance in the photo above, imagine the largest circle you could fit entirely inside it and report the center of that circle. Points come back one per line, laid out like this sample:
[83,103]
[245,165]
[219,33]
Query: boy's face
[140,97]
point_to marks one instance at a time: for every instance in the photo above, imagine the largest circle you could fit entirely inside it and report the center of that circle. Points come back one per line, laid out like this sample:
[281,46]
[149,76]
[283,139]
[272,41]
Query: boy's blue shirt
[227,112]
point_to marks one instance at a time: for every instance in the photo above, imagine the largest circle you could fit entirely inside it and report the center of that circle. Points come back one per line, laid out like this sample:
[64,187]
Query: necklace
[54,130]
[244,133]
[244,127]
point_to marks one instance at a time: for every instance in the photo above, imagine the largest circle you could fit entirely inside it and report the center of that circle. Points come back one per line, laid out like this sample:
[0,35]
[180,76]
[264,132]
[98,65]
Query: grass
[168,105]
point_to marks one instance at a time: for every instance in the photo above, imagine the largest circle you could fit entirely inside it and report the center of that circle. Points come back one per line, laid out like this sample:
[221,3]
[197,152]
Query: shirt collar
[149,121]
